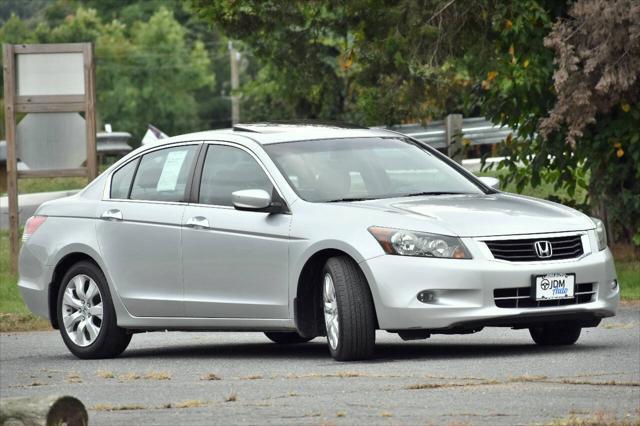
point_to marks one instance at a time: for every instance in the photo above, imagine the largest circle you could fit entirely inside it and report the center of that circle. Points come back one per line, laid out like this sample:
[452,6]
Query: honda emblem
[543,249]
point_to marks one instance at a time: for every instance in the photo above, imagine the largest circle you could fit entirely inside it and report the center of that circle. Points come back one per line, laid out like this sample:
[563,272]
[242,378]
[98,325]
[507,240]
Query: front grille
[520,297]
[523,250]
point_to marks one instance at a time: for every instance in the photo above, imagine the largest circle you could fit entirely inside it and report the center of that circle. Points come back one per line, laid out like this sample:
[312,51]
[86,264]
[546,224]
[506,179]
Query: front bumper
[464,291]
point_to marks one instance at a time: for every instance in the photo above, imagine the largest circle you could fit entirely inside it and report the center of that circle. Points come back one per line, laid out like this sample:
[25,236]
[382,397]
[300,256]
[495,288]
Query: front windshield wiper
[417,194]
[349,199]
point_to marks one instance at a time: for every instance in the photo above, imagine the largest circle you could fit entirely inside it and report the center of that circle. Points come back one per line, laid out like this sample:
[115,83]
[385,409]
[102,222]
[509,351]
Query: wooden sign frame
[13,103]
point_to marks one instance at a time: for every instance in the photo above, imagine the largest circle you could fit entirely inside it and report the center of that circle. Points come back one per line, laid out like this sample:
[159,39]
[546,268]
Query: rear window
[163,175]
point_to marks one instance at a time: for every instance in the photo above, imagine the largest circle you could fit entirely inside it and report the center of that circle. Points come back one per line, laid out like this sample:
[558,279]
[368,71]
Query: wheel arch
[308,315]
[61,268]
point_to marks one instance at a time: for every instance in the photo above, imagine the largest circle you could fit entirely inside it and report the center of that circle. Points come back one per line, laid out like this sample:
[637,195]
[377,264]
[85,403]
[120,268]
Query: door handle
[112,214]
[198,222]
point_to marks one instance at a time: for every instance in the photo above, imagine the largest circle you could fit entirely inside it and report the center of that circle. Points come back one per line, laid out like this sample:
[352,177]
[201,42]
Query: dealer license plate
[553,286]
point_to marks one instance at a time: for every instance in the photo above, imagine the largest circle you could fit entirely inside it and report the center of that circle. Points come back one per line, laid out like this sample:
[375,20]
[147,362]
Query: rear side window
[228,169]
[121,180]
[163,174]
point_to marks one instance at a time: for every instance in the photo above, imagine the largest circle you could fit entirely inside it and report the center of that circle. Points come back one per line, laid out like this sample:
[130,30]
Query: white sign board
[46,74]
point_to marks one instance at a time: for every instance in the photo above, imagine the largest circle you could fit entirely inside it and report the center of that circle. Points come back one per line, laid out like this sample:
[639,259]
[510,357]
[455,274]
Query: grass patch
[544,190]
[252,377]
[105,374]
[570,381]
[629,278]
[30,186]
[342,375]
[152,375]
[210,376]
[10,300]
[618,325]
[10,322]
[528,379]
[421,386]
[108,407]
[192,403]
[129,376]
[74,378]
[157,375]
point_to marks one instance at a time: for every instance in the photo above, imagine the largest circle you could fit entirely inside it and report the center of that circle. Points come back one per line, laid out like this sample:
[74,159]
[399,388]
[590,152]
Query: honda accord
[300,231]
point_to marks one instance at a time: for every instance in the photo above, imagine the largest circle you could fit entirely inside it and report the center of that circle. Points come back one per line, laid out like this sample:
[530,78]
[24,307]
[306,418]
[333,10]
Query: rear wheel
[286,337]
[555,334]
[86,315]
[348,310]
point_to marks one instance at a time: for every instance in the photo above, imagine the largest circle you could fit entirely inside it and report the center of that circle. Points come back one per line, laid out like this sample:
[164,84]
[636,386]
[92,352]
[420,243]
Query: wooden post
[3,177]
[12,164]
[453,134]
[235,84]
[90,111]
[41,411]
[41,103]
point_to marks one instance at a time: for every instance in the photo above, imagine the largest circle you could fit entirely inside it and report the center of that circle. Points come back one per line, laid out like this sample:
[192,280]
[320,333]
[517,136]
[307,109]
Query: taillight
[32,225]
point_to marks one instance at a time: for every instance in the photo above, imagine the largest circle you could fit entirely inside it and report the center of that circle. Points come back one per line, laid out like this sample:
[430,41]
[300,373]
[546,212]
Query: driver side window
[227,169]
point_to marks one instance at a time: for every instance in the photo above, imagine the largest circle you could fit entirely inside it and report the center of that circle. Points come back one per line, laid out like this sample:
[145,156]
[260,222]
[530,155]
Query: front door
[235,262]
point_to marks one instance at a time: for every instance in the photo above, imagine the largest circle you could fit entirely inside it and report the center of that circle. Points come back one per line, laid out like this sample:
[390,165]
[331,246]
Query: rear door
[235,262]
[139,230]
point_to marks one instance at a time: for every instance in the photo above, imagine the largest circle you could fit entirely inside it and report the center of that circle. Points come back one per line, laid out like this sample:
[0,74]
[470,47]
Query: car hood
[480,215]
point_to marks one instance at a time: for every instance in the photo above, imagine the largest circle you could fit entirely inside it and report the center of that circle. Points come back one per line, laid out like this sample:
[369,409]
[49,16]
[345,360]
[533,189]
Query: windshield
[365,168]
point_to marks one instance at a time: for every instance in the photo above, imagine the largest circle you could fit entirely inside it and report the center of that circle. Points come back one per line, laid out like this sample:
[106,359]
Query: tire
[555,334]
[355,316]
[286,337]
[89,336]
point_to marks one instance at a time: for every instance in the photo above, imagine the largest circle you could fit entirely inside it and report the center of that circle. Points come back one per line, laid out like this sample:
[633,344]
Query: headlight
[601,233]
[410,243]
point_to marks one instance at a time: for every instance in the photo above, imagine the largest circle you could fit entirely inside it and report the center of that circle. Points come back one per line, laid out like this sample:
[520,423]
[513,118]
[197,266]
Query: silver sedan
[301,231]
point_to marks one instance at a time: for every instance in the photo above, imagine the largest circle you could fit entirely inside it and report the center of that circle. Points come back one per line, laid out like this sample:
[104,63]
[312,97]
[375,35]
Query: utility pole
[234,57]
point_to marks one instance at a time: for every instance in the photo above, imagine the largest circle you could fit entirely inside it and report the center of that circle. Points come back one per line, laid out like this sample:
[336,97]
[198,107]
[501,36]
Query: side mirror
[251,200]
[491,182]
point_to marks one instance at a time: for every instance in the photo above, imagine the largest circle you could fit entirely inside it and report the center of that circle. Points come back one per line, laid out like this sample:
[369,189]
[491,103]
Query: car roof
[270,133]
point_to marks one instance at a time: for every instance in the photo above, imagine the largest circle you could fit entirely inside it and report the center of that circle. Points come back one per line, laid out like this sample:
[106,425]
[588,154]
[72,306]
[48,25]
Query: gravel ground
[496,377]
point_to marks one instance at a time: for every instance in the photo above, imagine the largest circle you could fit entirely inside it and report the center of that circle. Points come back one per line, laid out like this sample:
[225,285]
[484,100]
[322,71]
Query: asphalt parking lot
[496,377]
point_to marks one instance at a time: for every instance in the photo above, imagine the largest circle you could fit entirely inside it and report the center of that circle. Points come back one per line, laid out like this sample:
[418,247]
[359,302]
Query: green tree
[166,74]
[369,62]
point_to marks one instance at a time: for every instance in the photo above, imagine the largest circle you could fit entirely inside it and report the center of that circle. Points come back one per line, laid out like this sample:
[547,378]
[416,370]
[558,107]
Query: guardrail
[477,130]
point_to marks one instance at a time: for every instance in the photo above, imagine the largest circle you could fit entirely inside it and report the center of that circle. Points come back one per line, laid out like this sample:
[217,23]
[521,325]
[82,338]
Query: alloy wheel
[82,310]
[331,320]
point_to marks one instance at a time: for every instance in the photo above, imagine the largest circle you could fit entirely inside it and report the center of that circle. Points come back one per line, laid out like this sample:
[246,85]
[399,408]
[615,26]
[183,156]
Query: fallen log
[43,411]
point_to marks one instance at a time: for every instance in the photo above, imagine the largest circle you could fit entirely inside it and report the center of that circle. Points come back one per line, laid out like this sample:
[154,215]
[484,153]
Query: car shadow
[384,352]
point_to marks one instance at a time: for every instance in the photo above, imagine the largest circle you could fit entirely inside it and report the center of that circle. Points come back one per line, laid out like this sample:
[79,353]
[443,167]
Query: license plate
[553,286]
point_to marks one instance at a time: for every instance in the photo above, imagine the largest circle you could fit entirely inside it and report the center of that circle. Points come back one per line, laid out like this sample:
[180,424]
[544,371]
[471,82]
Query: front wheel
[348,310]
[86,315]
[286,337]
[555,334]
